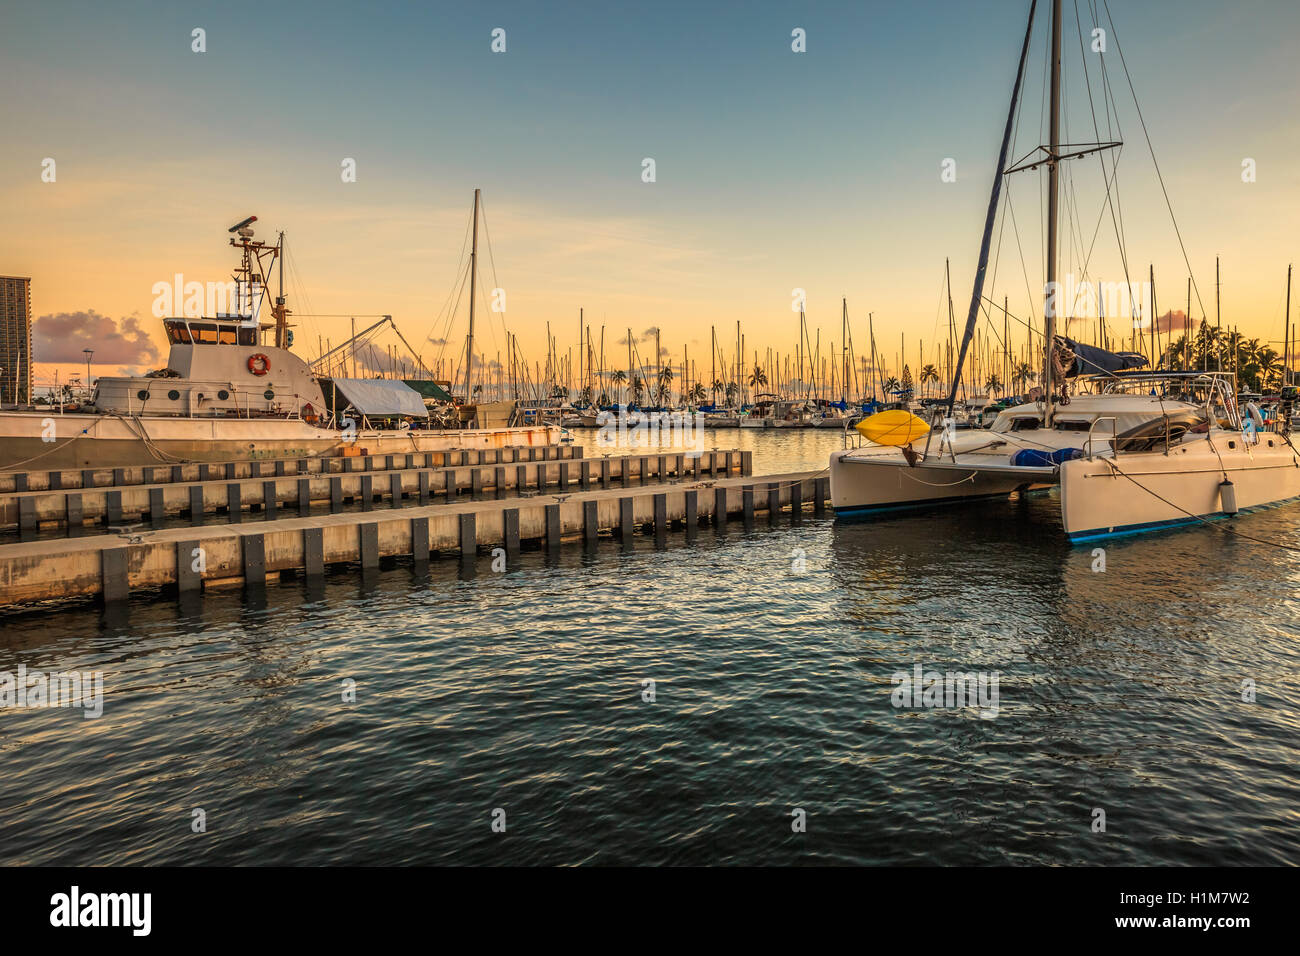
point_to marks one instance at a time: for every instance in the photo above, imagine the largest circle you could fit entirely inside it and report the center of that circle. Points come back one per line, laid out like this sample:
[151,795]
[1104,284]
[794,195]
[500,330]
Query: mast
[281,314]
[1218,318]
[473,287]
[977,292]
[1286,348]
[1053,191]
[844,347]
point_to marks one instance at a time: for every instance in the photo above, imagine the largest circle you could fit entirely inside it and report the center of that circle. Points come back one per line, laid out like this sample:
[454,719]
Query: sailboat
[1134,450]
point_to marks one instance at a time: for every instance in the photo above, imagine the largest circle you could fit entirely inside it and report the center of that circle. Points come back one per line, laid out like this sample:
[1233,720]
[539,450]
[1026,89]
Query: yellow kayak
[896,427]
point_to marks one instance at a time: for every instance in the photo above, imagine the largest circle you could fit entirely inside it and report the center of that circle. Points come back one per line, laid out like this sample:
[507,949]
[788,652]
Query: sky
[775,170]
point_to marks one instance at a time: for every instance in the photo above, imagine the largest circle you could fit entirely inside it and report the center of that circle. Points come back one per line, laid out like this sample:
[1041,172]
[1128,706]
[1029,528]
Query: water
[1119,690]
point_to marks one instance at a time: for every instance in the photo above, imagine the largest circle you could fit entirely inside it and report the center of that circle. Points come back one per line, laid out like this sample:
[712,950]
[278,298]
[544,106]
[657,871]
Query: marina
[681,437]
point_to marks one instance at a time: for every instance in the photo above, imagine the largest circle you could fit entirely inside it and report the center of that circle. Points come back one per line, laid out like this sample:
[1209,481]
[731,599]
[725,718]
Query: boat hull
[1151,491]
[881,482]
[35,442]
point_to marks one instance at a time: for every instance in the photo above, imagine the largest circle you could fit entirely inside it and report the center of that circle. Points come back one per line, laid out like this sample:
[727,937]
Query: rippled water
[1119,690]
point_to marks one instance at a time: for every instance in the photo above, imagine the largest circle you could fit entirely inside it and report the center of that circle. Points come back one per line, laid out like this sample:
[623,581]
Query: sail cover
[1090,360]
[381,397]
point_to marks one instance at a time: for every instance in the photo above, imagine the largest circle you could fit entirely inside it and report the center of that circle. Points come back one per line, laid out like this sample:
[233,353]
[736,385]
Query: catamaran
[233,389]
[1132,450]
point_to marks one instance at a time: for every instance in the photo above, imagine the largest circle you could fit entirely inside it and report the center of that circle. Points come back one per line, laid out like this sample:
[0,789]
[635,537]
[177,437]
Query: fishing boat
[1133,450]
[233,389]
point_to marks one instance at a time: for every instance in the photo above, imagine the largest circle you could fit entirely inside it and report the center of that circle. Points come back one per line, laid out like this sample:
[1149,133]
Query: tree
[994,385]
[619,378]
[665,379]
[1023,374]
[757,378]
[731,390]
[929,374]
[717,386]
[907,381]
[696,394]
[638,389]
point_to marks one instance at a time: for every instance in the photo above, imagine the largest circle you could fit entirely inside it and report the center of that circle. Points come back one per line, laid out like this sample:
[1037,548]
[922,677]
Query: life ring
[259,364]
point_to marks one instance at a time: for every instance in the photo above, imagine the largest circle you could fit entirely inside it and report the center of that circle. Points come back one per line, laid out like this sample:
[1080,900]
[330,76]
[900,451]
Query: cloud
[1173,322]
[61,337]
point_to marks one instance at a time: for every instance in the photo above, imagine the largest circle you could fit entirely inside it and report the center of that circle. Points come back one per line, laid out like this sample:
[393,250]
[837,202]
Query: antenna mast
[473,290]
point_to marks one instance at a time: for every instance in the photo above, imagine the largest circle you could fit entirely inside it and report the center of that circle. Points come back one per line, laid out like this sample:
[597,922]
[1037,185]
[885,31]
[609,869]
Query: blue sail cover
[1089,360]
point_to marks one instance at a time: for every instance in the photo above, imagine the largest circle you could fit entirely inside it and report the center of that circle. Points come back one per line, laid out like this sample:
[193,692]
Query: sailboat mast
[473,286]
[844,346]
[1053,190]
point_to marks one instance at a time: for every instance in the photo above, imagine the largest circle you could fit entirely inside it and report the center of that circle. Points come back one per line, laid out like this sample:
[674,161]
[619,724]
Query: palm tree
[928,374]
[638,389]
[665,379]
[697,394]
[1270,368]
[757,378]
[619,378]
[994,385]
[717,386]
[1024,374]
[892,385]
[1175,357]
[731,391]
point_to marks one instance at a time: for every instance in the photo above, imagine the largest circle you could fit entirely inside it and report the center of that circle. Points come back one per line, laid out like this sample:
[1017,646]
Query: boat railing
[1113,428]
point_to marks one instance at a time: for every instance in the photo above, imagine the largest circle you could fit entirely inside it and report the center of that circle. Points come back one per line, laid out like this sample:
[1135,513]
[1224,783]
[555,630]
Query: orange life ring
[259,364]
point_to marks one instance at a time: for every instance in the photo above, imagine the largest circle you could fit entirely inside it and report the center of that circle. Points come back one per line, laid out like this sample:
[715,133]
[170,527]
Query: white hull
[877,481]
[1097,499]
[111,441]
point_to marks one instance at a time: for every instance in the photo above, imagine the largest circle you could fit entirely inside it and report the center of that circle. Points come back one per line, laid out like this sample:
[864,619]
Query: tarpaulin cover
[382,397]
[1088,359]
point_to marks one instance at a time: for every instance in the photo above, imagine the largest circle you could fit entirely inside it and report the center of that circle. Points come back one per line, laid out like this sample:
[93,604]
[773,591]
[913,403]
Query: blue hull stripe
[865,510]
[1081,536]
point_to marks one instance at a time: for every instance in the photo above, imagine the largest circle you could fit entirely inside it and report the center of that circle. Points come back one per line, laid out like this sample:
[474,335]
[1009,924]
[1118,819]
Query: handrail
[1114,434]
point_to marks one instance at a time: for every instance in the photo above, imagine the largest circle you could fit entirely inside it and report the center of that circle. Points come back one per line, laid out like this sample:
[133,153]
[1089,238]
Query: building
[15,339]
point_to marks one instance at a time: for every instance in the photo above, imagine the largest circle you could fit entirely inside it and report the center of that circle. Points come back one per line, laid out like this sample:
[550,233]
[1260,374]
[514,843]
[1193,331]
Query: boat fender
[1227,497]
[259,364]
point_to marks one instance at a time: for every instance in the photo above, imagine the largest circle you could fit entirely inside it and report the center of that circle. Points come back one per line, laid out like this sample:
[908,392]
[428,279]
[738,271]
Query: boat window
[204,334]
[177,332]
[228,335]
[1024,424]
[247,336]
[1073,426]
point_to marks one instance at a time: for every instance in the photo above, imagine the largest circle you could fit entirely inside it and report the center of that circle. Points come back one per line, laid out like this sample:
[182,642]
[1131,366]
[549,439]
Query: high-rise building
[15,339]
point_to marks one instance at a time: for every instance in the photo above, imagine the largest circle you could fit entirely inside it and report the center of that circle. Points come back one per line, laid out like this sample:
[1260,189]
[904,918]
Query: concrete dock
[256,553]
[251,490]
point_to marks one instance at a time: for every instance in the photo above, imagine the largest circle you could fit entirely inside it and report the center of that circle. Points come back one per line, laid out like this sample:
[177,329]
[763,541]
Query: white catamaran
[1133,450]
[233,389]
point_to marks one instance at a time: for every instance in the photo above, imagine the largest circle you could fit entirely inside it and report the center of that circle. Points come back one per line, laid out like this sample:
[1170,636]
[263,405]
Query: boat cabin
[217,368]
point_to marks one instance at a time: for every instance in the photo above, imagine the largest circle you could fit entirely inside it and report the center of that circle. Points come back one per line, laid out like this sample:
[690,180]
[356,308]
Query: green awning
[428,389]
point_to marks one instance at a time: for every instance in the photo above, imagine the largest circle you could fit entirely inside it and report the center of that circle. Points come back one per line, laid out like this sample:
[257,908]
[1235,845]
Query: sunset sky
[775,170]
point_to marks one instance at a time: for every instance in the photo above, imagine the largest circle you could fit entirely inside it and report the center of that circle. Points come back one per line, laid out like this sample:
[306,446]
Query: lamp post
[88,353]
